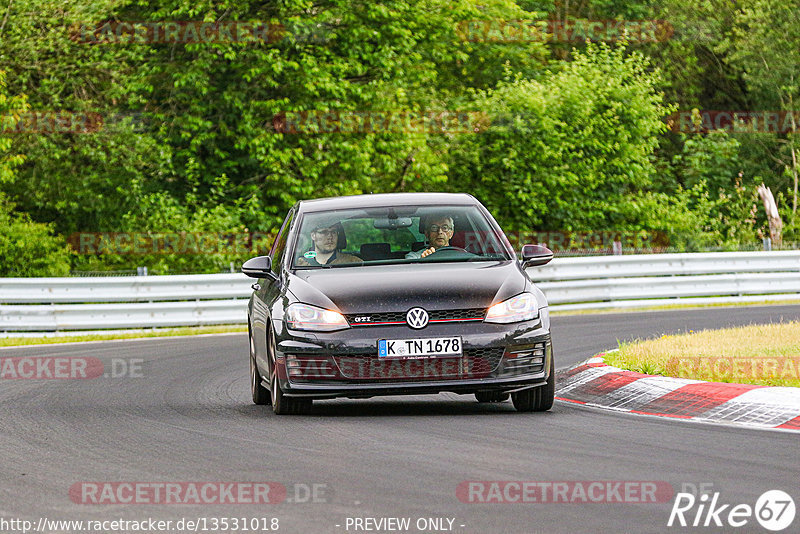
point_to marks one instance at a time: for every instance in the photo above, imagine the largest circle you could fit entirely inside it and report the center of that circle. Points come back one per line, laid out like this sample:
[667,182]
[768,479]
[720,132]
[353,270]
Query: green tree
[26,248]
[567,152]
[766,43]
[29,248]
[78,181]
[207,137]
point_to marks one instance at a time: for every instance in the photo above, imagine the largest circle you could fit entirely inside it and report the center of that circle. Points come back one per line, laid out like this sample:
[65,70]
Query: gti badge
[417,318]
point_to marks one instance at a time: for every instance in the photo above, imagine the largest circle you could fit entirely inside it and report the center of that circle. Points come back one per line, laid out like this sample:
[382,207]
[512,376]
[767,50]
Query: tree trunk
[774,218]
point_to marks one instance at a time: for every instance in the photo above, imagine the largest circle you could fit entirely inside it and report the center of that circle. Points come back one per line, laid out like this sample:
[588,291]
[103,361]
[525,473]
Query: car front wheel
[259,392]
[281,404]
[538,399]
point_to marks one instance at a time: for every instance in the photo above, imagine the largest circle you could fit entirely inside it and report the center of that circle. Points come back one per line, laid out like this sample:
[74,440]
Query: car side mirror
[259,267]
[535,255]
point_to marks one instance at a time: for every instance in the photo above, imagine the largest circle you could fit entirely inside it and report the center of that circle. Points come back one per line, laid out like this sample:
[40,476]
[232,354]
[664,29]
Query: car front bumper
[503,358]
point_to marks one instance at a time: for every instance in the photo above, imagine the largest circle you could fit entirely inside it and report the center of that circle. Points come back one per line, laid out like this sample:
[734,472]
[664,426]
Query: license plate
[419,348]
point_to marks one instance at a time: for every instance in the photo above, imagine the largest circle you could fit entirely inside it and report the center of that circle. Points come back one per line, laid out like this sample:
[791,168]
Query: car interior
[404,239]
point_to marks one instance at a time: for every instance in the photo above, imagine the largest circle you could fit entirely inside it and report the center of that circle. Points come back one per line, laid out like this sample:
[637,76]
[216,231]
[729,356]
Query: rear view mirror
[392,224]
[535,255]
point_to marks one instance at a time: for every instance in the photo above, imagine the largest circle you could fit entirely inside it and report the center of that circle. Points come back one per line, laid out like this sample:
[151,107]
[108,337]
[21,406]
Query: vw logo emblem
[417,318]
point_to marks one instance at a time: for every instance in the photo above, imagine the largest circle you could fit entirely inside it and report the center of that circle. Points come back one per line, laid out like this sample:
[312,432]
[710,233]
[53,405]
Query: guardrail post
[767,244]
[141,271]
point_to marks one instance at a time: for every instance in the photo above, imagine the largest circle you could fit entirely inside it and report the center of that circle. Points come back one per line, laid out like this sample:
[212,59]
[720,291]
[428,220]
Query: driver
[326,247]
[438,232]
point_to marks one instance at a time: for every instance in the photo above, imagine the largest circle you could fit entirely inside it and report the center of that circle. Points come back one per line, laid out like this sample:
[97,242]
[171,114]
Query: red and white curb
[593,383]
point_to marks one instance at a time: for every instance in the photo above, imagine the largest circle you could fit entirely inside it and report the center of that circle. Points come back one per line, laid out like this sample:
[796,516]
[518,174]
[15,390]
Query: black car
[397,294]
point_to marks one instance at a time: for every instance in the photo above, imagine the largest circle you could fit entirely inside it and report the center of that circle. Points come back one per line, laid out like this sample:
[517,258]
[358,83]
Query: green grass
[100,336]
[767,355]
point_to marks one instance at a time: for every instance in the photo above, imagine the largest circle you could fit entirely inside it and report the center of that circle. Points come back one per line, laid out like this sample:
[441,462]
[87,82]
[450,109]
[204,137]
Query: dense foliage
[185,137]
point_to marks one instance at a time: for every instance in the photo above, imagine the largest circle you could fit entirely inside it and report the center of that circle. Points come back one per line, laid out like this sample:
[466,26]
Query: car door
[269,292]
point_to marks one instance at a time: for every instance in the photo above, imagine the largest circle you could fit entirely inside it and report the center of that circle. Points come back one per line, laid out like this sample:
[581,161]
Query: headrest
[375,251]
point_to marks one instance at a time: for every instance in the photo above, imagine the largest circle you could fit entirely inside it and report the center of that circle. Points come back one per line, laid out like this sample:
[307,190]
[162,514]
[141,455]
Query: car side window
[279,247]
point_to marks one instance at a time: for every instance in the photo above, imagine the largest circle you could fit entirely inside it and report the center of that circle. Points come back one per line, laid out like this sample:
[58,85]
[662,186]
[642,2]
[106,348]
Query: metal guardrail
[608,282]
[122,315]
[124,289]
[56,304]
[667,265]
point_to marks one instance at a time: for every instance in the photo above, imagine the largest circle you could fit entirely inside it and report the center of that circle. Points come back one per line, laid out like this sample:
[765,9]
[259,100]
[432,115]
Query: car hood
[383,288]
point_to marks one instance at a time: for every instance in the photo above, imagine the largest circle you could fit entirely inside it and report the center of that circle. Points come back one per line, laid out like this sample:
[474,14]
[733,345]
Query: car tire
[259,392]
[539,399]
[491,396]
[281,404]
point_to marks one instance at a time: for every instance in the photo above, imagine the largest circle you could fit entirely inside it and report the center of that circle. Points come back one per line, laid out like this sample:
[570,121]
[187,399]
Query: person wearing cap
[326,251]
[438,232]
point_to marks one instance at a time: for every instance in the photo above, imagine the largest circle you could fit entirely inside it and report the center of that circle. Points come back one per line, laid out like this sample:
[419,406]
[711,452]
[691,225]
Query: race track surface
[188,417]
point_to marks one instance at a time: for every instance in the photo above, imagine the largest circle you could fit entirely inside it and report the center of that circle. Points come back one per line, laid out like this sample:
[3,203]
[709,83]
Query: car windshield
[399,234]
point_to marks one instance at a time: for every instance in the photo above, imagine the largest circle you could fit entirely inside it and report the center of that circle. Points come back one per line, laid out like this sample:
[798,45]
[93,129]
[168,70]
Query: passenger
[326,249]
[438,232]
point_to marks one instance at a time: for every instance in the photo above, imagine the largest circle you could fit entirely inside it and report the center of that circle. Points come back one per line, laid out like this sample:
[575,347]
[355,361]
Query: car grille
[438,316]
[474,363]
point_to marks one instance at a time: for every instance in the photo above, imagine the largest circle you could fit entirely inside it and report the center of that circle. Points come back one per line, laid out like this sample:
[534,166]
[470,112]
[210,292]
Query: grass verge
[767,355]
[159,332]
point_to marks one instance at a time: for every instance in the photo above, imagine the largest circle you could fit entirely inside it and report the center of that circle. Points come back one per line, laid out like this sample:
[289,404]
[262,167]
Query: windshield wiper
[311,267]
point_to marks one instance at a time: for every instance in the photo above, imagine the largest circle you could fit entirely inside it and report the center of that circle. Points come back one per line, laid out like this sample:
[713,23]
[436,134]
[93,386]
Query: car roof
[386,199]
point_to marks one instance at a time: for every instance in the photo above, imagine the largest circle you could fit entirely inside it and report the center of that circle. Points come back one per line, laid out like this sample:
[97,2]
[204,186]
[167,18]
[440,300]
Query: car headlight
[305,317]
[523,307]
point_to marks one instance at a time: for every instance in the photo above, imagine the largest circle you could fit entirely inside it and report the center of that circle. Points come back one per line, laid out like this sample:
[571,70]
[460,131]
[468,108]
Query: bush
[29,248]
[566,152]
[170,238]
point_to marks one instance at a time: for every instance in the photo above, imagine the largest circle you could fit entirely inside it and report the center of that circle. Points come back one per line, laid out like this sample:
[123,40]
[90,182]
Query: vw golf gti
[397,294]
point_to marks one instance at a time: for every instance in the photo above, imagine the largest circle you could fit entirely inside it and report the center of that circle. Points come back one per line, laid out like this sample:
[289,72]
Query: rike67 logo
[774,510]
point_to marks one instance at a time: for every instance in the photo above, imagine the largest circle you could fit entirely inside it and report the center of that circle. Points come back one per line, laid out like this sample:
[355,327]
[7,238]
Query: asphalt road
[188,417]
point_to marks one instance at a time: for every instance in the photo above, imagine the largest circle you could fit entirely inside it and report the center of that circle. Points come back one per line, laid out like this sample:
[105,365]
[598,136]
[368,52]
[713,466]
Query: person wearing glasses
[438,232]
[326,247]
